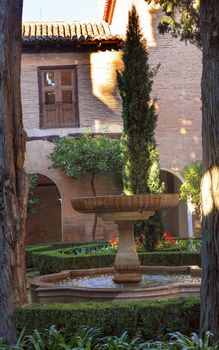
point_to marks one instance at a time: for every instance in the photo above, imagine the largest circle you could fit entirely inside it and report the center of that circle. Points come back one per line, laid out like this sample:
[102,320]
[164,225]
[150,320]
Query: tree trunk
[13,189]
[209,22]
[93,232]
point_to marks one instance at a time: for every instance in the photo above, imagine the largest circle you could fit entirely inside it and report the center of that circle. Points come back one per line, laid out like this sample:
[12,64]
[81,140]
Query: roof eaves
[60,34]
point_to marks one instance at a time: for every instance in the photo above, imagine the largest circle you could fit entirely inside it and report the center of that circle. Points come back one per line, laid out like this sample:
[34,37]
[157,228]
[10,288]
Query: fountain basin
[128,205]
[44,289]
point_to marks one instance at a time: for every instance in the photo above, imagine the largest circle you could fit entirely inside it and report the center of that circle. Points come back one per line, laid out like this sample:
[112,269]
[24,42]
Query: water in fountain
[106,281]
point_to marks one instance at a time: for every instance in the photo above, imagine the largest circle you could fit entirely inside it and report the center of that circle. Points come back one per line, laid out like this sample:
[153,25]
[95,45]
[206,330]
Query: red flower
[114,241]
[168,238]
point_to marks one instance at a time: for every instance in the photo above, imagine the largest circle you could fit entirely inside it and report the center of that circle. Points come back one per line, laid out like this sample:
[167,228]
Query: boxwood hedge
[53,261]
[48,247]
[152,319]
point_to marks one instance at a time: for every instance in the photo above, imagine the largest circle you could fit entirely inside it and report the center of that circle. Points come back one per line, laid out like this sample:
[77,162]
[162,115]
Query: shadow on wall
[99,100]
[43,223]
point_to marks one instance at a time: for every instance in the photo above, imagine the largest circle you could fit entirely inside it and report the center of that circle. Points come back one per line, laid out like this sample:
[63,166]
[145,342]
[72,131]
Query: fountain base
[46,289]
[127,277]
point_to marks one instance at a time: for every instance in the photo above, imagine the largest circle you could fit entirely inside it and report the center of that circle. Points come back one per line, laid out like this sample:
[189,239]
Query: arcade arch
[43,223]
[74,225]
[177,220]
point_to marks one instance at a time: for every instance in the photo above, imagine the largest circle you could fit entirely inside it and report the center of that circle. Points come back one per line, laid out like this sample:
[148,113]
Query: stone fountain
[125,211]
[127,272]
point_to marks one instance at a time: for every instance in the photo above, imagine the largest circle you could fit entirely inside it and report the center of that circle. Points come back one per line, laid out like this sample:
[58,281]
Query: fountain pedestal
[127,264]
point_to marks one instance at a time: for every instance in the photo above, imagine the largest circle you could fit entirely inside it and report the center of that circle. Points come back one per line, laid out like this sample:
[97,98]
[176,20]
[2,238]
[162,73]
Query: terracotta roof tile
[70,33]
[109,10]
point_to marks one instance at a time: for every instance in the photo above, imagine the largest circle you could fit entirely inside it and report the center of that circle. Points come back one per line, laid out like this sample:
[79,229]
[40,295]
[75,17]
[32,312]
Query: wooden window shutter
[59,104]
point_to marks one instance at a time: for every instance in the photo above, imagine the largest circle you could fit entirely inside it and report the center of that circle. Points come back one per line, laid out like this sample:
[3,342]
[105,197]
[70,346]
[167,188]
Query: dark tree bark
[210,183]
[13,189]
[93,232]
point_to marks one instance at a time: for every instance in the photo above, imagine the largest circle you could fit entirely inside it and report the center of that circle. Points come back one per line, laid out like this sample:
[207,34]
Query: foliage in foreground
[181,19]
[91,339]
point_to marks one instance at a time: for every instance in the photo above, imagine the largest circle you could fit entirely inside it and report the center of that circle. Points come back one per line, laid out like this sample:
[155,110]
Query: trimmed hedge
[153,319]
[47,247]
[52,261]
[170,258]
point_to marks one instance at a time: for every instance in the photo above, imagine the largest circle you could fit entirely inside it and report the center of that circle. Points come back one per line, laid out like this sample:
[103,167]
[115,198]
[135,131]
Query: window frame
[41,91]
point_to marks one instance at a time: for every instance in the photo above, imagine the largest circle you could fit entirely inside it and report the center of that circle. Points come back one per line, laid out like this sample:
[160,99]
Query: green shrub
[87,154]
[170,259]
[85,249]
[152,319]
[52,261]
[33,248]
[92,339]
[55,257]
[180,244]
[190,188]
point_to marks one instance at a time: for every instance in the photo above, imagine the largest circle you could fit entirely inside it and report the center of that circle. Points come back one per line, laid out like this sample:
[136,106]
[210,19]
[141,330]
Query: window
[58,97]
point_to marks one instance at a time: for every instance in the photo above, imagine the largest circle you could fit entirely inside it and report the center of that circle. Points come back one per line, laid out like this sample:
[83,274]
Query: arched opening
[176,221]
[43,223]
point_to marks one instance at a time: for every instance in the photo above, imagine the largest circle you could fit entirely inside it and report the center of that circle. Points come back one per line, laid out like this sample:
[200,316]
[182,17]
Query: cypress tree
[141,165]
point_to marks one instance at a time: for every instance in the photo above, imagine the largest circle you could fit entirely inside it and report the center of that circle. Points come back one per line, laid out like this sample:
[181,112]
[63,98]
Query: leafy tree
[190,189]
[181,19]
[87,154]
[141,165]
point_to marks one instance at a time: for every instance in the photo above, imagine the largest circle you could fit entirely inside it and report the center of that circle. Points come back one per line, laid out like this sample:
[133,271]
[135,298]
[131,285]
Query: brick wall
[177,89]
[99,101]
[176,86]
